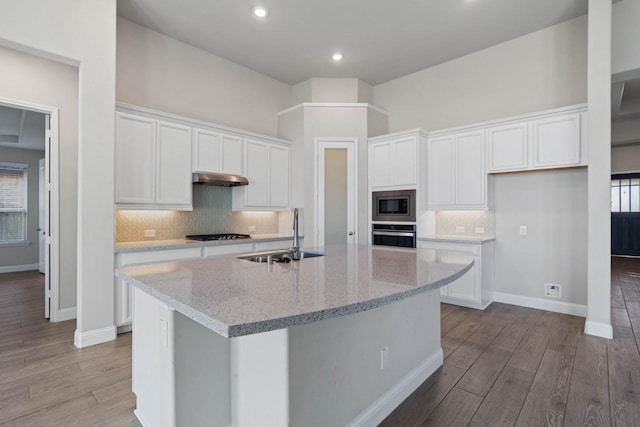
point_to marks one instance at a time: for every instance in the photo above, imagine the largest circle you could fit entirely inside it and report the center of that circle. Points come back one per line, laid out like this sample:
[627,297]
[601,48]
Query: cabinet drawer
[242,248]
[158,256]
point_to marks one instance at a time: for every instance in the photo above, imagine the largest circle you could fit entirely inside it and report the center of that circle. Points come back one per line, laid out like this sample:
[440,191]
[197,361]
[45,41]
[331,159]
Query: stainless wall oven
[393,206]
[403,235]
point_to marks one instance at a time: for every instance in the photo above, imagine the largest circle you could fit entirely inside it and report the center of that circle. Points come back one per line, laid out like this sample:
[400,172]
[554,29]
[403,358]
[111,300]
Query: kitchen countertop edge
[161,245]
[242,329]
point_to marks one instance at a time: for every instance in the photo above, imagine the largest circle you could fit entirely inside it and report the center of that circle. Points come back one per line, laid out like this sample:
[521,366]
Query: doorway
[46,205]
[625,214]
[336,177]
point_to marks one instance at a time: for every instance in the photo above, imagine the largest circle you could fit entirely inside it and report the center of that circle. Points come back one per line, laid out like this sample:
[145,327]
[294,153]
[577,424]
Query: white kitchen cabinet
[474,289]
[457,178]
[542,140]
[217,152]
[393,160]
[508,147]
[556,141]
[267,167]
[135,160]
[123,304]
[153,164]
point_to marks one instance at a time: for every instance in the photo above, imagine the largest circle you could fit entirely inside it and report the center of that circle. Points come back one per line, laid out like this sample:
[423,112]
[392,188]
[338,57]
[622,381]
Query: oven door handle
[393,233]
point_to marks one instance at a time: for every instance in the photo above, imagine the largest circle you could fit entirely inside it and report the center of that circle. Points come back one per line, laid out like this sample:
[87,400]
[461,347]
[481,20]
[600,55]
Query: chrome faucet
[295,250]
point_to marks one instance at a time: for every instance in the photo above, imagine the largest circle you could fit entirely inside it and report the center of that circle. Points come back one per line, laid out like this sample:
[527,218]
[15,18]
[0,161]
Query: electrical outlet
[384,357]
[149,233]
[252,228]
[459,228]
[552,290]
[523,230]
[479,230]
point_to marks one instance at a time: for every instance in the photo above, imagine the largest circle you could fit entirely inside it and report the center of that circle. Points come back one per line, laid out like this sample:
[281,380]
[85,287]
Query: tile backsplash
[449,222]
[211,214]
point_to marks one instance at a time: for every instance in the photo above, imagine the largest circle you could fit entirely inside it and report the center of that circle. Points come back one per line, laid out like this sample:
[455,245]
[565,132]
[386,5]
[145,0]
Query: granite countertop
[235,297]
[452,238]
[158,245]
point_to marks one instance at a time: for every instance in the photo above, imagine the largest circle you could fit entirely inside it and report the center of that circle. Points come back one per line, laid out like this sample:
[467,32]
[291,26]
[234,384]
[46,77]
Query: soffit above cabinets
[379,40]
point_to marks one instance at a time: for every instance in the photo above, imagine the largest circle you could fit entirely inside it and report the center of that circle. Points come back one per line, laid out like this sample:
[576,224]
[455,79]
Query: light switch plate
[459,228]
[479,230]
[523,230]
[149,233]
[252,228]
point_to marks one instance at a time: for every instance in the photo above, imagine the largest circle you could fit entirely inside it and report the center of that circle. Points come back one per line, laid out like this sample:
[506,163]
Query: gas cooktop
[221,236]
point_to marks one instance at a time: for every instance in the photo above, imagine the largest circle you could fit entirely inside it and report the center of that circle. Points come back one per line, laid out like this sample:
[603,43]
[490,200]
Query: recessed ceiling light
[337,56]
[260,11]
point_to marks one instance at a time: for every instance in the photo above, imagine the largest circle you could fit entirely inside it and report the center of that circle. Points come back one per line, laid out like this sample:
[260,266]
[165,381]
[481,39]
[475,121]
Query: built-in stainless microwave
[397,205]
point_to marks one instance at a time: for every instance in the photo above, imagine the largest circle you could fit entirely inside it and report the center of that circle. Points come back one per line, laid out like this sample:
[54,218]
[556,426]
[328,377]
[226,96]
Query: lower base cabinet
[475,288]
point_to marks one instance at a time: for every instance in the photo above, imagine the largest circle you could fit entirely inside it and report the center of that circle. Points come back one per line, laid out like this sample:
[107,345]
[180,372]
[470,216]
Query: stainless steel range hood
[219,179]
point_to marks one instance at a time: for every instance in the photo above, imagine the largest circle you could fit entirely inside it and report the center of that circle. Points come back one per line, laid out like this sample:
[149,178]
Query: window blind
[13,203]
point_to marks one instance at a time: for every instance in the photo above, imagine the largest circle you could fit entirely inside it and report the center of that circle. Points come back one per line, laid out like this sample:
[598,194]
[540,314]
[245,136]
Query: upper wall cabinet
[267,167]
[393,161]
[456,176]
[153,164]
[217,152]
[544,140]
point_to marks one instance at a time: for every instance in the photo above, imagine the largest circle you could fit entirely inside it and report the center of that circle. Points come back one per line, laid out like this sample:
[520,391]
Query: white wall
[625,131]
[82,32]
[29,78]
[158,72]
[553,206]
[538,71]
[24,255]
[625,55]
[625,158]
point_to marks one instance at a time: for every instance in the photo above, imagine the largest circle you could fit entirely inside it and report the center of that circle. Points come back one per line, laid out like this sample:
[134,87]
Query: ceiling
[379,40]
[21,129]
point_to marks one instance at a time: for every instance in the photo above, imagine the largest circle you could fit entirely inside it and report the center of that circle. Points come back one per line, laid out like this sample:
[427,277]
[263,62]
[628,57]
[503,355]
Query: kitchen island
[334,340]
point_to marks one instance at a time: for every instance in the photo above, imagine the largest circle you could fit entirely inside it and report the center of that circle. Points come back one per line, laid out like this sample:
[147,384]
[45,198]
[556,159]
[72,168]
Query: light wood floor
[505,366]
[44,379]
[517,366]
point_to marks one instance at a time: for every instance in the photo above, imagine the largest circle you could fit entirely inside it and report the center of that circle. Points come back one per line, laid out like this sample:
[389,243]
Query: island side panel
[335,374]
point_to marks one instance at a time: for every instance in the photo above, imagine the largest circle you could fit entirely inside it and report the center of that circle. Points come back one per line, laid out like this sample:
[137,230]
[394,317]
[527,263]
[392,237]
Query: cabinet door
[405,159]
[135,159]
[556,141]
[230,154]
[206,151]
[470,177]
[173,183]
[440,172]
[381,173]
[464,287]
[278,176]
[508,147]
[257,169]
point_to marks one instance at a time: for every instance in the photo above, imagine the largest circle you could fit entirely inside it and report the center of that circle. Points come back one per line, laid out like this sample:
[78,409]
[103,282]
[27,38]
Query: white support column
[599,172]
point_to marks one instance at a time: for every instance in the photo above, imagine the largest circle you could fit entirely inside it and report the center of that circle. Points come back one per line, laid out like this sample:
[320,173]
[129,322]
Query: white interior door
[41,216]
[333,156]
[44,233]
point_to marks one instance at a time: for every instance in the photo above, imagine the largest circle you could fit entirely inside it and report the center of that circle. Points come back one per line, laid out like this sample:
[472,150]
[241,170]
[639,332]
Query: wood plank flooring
[506,366]
[515,366]
[44,379]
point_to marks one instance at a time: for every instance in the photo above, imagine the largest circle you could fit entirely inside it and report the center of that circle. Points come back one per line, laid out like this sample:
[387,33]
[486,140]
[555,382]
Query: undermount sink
[277,256]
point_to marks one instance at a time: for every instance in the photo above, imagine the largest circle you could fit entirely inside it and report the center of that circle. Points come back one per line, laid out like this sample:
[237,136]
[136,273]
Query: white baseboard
[599,329]
[382,407]
[542,304]
[64,314]
[96,336]
[23,267]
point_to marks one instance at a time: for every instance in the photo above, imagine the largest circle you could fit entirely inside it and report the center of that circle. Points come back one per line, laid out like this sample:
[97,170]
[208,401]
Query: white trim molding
[14,268]
[96,336]
[385,404]
[541,304]
[598,329]
[333,104]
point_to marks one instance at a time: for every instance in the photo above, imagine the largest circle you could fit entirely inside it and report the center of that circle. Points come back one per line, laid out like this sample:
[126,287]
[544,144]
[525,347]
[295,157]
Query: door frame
[320,145]
[52,154]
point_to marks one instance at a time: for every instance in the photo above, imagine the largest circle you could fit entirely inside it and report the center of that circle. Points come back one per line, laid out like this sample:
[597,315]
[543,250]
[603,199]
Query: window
[625,193]
[13,203]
